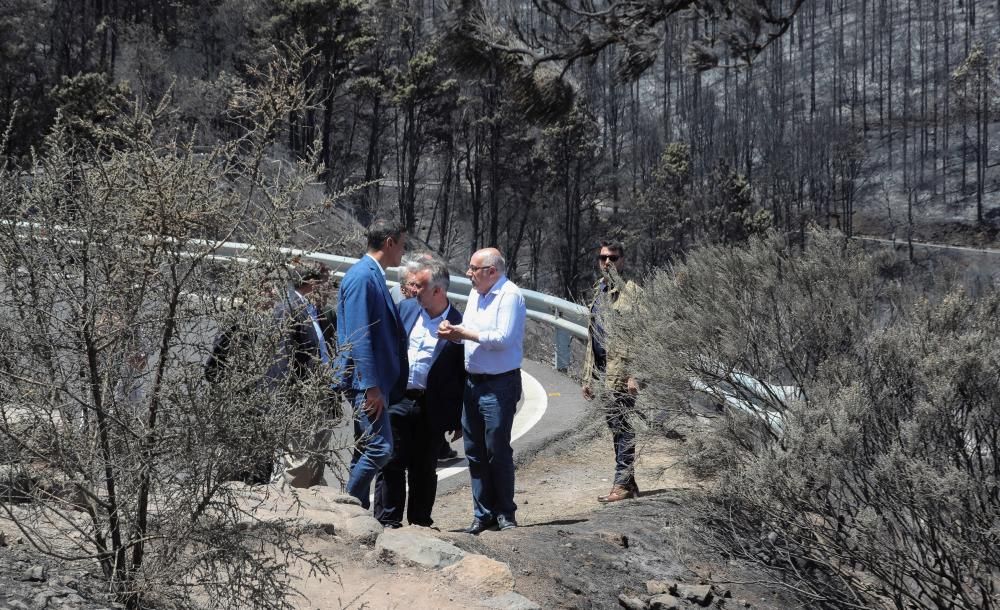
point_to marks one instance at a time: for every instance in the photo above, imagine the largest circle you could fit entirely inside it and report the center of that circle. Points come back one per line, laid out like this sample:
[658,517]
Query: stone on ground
[324,508]
[665,601]
[699,594]
[631,603]
[482,574]
[657,587]
[364,529]
[510,601]
[414,546]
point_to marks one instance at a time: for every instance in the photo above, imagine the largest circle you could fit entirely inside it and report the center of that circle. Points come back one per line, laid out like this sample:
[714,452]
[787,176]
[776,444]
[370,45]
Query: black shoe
[505,523]
[479,526]
[447,453]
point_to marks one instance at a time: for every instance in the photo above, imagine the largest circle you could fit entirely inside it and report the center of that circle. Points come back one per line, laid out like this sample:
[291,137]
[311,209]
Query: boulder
[631,603]
[510,601]
[364,529]
[665,601]
[321,507]
[351,510]
[42,598]
[412,545]
[330,495]
[657,587]
[481,574]
[36,573]
[699,594]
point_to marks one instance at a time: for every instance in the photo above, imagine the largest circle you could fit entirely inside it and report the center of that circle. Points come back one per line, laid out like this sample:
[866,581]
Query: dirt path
[570,551]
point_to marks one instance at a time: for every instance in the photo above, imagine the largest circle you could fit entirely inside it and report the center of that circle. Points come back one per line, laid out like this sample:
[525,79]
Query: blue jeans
[487,418]
[374,450]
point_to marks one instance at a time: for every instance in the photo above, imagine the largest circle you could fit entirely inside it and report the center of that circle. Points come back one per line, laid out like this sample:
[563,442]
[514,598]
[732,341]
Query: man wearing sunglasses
[607,363]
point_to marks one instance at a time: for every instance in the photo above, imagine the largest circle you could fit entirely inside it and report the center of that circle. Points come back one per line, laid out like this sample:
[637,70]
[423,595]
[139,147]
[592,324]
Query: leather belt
[414,394]
[478,377]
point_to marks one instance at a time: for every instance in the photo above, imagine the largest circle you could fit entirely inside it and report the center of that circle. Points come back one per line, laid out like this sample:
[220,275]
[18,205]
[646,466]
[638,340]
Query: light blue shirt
[423,341]
[499,317]
[324,354]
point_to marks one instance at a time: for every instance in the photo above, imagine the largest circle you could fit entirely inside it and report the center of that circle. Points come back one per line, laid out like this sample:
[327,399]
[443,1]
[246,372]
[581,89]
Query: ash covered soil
[30,580]
[573,552]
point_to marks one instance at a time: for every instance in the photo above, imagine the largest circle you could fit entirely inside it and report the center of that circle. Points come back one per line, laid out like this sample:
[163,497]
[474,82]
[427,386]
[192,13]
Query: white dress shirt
[377,264]
[499,317]
[314,318]
[423,341]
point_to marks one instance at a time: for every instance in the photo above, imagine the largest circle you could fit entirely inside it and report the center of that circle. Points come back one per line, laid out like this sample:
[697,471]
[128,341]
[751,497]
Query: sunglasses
[608,257]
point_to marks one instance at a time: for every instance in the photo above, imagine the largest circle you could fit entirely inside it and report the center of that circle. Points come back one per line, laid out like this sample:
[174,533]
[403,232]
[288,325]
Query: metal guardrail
[567,319]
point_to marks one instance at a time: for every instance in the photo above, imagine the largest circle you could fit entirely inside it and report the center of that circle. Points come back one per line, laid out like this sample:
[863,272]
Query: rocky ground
[570,551]
[29,580]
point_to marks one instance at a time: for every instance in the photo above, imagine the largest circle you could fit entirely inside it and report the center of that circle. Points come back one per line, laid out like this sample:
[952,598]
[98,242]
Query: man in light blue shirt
[493,333]
[431,404]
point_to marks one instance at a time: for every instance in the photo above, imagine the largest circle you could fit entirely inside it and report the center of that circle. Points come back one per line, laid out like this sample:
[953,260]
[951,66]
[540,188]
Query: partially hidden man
[303,352]
[607,363]
[432,402]
[371,362]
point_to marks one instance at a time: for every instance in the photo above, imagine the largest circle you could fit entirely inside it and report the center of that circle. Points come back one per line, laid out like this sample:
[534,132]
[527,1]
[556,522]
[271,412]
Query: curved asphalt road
[550,407]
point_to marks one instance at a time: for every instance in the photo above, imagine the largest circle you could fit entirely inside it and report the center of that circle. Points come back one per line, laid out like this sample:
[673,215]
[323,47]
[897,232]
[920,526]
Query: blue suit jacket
[372,344]
[446,379]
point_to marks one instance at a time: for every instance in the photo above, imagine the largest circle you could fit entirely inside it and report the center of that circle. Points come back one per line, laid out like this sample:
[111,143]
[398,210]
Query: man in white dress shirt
[493,333]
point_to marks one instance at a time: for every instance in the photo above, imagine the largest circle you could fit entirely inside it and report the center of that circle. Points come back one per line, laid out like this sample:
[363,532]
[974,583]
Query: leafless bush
[111,294]
[876,485]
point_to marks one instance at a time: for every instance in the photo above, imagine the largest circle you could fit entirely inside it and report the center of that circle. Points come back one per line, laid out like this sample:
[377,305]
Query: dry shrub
[111,296]
[877,484]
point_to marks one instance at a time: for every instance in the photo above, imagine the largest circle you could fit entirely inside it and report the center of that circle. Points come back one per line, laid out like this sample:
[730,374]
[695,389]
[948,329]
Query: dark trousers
[617,414]
[487,419]
[415,441]
[259,463]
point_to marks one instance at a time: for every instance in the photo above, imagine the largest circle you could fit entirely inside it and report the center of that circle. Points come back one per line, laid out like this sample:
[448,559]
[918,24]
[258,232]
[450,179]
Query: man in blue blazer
[371,364]
[432,403]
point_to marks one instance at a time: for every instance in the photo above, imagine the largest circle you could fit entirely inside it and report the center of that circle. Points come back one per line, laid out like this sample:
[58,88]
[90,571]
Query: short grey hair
[440,276]
[495,260]
[408,265]
[419,261]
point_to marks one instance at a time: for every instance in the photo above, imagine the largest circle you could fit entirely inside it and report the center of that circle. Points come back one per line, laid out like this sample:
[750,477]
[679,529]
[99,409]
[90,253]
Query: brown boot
[619,492]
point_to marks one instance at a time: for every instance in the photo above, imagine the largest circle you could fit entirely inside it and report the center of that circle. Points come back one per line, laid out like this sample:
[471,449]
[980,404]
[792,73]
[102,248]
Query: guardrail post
[563,351]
